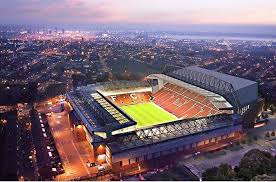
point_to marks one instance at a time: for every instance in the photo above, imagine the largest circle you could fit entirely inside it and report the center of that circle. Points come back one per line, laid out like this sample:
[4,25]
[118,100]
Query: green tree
[224,172]
[243,141]
[254,162]
[210,174]
[273,109]
[273,165]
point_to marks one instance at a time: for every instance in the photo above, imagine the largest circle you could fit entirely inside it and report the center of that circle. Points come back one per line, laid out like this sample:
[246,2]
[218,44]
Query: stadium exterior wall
[248,95]
[188,143]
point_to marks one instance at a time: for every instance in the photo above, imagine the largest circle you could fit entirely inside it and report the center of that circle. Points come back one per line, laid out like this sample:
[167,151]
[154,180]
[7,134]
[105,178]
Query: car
[197,153]
[101,168]
[91,164]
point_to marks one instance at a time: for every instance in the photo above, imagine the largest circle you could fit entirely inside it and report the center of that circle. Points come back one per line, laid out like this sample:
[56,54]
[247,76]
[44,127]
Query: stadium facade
[188,110]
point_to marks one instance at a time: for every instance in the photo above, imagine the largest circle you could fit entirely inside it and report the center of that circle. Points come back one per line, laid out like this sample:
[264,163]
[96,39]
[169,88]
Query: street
[74,154]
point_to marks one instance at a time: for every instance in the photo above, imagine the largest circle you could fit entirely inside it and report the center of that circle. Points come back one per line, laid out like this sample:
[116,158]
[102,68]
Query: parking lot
[74,154]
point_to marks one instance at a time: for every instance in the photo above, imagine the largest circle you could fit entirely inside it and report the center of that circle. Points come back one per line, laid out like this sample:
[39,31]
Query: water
[220,37]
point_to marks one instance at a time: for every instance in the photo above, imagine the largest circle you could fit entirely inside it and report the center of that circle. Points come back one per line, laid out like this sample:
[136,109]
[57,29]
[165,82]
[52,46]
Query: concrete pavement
[233,155]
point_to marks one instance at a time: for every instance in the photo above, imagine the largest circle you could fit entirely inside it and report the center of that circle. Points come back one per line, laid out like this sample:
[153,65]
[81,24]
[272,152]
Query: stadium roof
[122,84]
[236,82]
[110,109]
[170,130]
[237,91]
[96,112]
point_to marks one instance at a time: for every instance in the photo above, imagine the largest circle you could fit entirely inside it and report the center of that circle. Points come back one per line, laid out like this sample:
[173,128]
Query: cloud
[138,11]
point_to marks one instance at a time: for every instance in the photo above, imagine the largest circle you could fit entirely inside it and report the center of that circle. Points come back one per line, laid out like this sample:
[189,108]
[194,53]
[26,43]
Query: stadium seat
[130,98]
[182,102]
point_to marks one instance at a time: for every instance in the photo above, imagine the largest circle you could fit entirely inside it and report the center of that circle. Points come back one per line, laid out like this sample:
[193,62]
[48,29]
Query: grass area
[147,114]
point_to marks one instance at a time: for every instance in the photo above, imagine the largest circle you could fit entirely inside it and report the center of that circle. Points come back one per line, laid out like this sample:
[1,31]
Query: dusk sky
[159,12]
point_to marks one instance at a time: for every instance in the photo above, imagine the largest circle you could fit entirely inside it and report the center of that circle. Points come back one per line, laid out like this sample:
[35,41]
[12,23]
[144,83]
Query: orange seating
[180,101]
[130,98]
[183,103]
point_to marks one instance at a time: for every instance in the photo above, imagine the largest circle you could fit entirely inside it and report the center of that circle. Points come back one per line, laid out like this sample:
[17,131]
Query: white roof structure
[236,82]
[238,91]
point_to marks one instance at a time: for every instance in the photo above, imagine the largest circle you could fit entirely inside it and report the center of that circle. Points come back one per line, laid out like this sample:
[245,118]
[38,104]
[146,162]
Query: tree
[273,109]
[210,174]
[273,165]
[243,141]
[254,162]
[224,172]
[9,177]
[255,165]
[249,140]
[255,138]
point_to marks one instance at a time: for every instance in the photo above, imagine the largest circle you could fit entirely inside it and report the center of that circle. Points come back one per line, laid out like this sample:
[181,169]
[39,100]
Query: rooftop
[97,112]
[236,82]
[168,131]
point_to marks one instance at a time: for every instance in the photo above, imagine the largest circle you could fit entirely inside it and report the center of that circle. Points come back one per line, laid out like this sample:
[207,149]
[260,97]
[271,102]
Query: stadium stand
[184,103]
[130,98]
[187,111]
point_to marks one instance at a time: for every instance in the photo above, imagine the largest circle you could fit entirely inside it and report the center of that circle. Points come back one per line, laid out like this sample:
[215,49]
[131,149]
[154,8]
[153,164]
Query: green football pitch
[147,114]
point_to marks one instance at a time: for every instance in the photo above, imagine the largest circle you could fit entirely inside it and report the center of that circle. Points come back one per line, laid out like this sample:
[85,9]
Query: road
[74,154]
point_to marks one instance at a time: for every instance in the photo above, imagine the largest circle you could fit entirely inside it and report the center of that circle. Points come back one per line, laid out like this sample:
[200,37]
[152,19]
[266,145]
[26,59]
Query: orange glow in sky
[178,12]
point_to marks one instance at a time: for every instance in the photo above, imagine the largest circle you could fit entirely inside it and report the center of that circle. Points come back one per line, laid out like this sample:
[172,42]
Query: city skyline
[137,90]
[153,12]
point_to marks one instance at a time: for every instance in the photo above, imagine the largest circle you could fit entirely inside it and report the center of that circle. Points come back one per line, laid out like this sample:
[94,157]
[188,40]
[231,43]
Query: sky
[146,12]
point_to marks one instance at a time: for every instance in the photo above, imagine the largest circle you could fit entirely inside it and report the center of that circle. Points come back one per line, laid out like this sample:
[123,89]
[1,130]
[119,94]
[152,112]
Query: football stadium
[187,110]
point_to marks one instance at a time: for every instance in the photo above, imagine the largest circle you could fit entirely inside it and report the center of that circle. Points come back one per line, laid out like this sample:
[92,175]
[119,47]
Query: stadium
[188,110]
